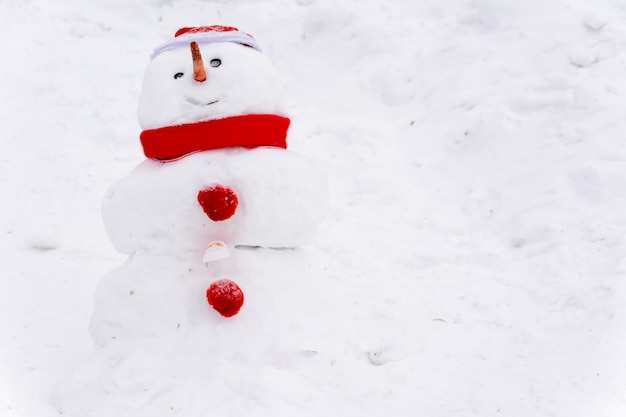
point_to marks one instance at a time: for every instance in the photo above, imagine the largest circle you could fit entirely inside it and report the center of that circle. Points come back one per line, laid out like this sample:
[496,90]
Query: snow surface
[477,164]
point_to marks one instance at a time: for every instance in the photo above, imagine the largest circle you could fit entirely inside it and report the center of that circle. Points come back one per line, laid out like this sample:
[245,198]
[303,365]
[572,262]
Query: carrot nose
[199,74]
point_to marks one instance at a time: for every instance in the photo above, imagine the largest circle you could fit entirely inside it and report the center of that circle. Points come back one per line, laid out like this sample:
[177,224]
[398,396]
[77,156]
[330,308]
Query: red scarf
[250,131]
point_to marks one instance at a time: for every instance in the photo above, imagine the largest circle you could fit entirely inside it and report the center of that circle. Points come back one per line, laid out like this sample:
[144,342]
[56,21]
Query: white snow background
[477,159]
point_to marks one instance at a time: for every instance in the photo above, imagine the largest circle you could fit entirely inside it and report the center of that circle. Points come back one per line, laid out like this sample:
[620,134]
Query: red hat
[207,34]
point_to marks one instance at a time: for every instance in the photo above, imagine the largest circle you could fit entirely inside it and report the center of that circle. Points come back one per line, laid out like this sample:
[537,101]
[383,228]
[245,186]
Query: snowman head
[207,73]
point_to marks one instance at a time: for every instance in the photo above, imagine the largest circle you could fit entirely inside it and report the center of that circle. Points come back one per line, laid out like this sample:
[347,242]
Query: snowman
[218,178]
[212,222]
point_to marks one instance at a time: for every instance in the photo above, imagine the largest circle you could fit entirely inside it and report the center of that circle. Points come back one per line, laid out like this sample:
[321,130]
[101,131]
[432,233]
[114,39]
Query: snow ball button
[225,297]
[218,202]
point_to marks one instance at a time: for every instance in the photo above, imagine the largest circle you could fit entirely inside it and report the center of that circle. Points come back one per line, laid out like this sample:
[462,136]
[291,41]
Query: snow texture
[475,242]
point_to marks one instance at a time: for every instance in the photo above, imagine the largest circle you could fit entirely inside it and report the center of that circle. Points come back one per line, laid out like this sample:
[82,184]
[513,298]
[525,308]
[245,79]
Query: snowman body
[160,346]
[154,216]
[281,194]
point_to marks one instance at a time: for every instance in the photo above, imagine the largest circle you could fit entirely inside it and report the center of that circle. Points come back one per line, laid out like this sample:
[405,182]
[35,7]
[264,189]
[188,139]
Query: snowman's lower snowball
[225,296]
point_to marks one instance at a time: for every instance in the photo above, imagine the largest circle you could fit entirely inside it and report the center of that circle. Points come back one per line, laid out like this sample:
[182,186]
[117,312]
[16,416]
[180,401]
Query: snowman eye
[216,62]
[178,75]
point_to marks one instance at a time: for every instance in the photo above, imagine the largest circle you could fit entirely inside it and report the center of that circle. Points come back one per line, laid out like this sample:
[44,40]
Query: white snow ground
[478,165]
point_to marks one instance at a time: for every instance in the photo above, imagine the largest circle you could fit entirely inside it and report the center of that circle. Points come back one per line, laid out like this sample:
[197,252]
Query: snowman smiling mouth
[200,103]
